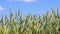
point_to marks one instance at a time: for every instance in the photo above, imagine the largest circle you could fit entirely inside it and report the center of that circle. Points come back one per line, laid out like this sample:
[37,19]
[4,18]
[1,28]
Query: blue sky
[28,6]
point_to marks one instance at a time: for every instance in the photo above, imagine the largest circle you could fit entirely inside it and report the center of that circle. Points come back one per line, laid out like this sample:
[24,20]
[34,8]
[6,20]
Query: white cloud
[29,0]
[24,0]
[1,8]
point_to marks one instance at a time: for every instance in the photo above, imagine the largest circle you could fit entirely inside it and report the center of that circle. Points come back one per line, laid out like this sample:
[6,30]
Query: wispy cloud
[1,8]
[24,0]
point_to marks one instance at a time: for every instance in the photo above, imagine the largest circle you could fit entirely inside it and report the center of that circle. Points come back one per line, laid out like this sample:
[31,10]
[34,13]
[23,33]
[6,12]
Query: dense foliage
[31,24]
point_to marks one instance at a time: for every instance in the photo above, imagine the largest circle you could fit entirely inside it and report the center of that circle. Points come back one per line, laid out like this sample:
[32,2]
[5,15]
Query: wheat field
[31,24]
